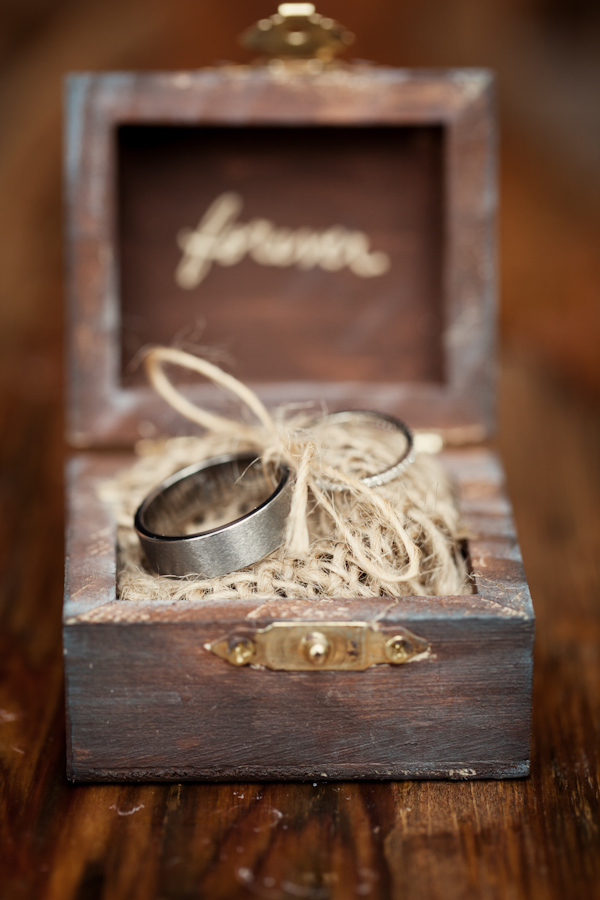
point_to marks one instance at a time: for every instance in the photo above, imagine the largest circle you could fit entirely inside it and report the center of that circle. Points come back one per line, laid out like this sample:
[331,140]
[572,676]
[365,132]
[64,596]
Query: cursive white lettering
[220,238]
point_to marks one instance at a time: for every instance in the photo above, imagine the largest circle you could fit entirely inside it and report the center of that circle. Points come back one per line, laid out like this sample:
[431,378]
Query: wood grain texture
[148,702]
[146,699]
[445,156]
[536,837]
[105,412]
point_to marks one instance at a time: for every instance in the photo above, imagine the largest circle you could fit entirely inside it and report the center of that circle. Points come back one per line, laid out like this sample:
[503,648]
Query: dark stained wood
[147,700]
[284,324]
[408,156]
[105,411]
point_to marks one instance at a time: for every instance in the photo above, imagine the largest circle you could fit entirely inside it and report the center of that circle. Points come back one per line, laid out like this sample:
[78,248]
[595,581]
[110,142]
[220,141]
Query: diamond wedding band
[385,423]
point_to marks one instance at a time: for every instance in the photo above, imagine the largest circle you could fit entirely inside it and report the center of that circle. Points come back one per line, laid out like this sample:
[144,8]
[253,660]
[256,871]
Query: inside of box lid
[346,264]
[309,254]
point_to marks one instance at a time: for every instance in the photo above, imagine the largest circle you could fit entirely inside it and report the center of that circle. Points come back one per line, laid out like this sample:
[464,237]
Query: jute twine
[401,538]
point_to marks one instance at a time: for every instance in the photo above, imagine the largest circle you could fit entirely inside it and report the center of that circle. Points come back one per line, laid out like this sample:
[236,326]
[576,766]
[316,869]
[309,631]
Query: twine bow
[293,443]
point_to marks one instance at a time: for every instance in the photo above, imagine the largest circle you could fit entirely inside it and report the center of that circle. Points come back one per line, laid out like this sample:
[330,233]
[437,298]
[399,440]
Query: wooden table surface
[538,837]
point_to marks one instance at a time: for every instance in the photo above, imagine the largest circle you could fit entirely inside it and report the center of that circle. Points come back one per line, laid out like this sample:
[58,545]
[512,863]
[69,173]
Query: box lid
[329,237]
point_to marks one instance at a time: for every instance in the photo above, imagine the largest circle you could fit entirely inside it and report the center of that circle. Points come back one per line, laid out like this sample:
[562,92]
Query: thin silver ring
[189,494]
[386,423]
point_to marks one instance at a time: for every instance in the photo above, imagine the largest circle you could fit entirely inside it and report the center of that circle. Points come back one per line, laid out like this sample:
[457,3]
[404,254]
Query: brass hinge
[297,32]
[324,646]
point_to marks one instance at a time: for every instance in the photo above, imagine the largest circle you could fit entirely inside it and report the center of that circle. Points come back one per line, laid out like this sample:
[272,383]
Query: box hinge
[320,646]
[297,32]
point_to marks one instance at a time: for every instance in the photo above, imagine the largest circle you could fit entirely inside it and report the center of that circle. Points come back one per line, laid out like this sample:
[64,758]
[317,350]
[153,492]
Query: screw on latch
[296,646]
[240,651]
[316,648]
[398,649]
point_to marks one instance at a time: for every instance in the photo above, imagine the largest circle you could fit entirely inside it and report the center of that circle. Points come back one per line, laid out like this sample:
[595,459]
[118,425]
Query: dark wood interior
[387,165]
[303,186]
[268,323]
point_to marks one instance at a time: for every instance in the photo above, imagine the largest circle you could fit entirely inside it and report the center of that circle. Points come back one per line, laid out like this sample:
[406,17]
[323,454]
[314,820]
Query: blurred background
[546,55]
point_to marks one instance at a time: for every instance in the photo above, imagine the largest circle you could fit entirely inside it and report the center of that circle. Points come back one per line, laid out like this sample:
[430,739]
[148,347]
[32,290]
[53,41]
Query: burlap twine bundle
[401,538]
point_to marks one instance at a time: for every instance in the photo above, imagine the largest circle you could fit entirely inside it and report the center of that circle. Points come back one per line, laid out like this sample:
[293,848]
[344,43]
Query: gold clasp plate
[319,646]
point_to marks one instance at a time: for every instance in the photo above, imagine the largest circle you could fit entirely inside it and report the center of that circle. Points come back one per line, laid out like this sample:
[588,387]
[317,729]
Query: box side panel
[91,533]
[152,702]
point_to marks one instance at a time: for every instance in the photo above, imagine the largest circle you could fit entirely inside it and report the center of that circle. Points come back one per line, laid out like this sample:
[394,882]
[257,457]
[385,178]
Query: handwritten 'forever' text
[220,238]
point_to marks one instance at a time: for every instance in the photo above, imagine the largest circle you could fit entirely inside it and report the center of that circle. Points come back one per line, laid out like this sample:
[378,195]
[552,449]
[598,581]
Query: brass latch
[324,646]
[297,31]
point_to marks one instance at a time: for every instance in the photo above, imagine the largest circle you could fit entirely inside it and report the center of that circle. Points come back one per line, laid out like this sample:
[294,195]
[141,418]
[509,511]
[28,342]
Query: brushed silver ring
[188,495]
[386,423]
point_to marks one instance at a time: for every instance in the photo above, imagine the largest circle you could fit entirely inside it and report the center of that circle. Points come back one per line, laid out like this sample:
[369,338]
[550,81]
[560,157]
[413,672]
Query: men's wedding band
[187,497]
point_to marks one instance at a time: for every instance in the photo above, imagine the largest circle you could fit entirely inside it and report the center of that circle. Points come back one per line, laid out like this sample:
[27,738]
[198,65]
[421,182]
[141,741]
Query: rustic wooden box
[407,160]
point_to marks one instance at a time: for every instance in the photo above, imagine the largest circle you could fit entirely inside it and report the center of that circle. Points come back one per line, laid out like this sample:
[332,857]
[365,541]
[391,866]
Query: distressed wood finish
[103,411]
[147,700]
[145,697]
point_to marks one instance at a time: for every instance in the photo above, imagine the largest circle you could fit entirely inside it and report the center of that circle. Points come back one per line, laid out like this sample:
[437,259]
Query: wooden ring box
[407,159]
